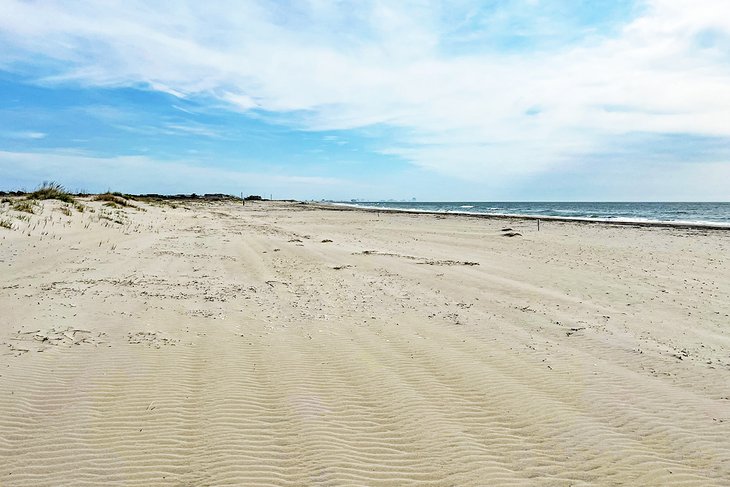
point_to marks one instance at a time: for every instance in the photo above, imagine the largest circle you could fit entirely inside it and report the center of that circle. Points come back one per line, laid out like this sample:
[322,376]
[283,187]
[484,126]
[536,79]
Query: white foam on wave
[607,219]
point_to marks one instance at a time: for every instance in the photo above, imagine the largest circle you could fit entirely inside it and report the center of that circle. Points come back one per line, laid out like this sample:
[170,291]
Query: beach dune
[210,343]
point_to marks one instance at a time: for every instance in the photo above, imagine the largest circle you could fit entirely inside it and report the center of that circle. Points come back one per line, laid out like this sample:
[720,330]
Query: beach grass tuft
[24,206]
[6,223]
[113,199]
[51,190]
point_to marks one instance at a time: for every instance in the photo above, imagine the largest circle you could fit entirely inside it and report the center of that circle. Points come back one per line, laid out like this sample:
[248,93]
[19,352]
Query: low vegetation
[111,218]
[24,206]
[51,190]
[6,224]
[113,199]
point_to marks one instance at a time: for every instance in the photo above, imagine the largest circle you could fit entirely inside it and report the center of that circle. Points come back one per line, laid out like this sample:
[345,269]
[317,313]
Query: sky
[494,100]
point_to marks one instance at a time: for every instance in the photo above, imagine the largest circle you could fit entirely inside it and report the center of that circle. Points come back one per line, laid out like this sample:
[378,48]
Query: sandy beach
[208,343]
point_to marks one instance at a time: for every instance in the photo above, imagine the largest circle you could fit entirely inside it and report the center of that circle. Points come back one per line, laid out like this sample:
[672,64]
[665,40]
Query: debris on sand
[419,260]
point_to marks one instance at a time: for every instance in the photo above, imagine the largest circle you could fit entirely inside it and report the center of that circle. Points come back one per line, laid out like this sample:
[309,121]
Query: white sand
[214,344]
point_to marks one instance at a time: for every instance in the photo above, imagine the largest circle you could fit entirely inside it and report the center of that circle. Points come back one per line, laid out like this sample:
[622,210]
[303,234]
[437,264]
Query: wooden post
[538,224]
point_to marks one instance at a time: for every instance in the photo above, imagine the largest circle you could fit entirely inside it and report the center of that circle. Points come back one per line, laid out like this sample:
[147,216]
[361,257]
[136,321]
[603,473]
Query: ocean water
[716,214]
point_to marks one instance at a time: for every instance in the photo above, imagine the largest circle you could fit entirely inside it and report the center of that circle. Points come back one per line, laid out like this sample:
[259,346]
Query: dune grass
[51,190]
[24,206]
[113,198]
[4,223]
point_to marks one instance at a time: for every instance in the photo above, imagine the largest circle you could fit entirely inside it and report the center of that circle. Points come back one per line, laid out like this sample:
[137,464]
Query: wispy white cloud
[28,135]
[480,113]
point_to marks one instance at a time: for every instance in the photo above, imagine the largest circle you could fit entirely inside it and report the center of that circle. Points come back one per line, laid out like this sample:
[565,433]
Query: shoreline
[512,216]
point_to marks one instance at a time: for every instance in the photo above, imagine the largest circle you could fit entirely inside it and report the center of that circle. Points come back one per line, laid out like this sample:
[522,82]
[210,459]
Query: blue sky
[461,100]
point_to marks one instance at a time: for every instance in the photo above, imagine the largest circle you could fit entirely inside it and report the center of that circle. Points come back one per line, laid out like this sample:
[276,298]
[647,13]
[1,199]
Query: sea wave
[621,215]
